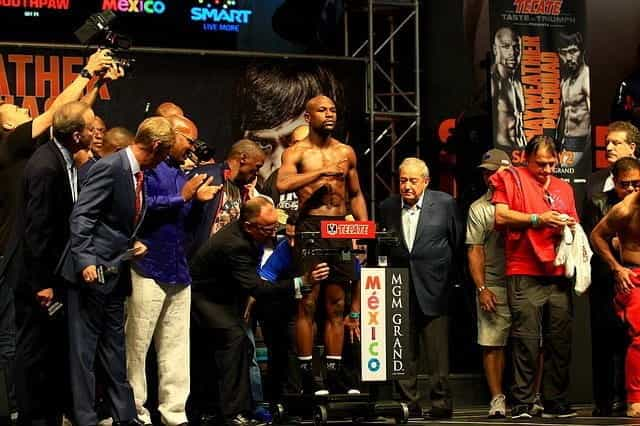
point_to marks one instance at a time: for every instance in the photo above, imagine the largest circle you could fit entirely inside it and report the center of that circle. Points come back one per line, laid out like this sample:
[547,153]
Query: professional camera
[201,152]
[97,30]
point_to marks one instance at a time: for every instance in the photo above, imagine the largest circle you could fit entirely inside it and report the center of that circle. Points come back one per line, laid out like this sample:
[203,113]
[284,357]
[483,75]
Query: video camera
[97,30]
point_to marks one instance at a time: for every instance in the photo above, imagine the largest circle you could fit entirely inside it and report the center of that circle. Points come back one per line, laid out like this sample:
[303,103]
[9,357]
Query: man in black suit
[49,189]
[104,224]
[225,274]
[430,229]
[608,334]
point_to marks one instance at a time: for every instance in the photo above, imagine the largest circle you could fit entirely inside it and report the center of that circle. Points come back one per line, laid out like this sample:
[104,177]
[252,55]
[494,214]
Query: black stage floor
[469,417]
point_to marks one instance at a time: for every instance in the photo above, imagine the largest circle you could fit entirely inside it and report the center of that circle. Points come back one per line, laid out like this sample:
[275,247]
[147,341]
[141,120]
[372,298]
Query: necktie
[138,206]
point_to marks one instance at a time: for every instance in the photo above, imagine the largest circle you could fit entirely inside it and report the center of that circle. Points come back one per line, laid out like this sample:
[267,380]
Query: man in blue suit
[104,224]
[430,230]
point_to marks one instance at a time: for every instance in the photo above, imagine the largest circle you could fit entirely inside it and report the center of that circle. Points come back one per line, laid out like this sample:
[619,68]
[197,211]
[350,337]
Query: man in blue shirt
[160,302]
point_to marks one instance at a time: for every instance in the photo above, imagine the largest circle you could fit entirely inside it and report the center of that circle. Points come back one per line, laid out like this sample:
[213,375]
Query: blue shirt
[163,230]
[280,263]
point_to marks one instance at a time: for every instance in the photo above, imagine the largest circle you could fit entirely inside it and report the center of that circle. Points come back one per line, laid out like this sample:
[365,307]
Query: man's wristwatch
[535,220]
[86,73]
[481,289]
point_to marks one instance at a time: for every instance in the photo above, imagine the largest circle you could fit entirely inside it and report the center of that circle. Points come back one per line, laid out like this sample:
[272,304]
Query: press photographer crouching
[225,274]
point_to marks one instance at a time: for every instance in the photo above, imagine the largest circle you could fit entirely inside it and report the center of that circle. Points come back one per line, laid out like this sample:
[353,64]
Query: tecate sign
[347,229]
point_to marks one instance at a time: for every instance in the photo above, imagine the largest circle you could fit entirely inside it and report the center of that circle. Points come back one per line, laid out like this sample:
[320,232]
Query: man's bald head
[321,115]
[167,109]
[184,125]
[116,139]
[318,100]
[506,48]
[186,134]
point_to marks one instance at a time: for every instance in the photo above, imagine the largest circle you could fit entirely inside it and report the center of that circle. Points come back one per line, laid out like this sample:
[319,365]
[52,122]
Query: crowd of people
[116,246]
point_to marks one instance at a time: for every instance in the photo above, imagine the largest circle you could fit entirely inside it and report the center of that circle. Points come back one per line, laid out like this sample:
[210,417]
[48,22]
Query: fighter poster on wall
[540,80]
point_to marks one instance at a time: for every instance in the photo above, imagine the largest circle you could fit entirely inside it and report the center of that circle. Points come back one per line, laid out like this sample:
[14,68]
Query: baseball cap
[494,159]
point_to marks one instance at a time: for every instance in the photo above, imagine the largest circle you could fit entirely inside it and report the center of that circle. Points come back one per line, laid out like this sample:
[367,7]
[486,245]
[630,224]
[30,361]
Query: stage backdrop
[539,80]
[225,94]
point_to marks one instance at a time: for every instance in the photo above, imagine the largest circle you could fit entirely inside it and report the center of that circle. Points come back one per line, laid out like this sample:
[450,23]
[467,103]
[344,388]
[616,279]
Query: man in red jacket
[533,206]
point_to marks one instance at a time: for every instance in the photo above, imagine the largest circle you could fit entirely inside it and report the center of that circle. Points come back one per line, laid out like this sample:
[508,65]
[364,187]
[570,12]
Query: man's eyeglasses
[266,229]
[629,184]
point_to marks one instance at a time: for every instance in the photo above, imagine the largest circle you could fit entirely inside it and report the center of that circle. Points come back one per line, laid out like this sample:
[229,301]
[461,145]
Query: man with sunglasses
[615,239]
[160,303]
[604,189]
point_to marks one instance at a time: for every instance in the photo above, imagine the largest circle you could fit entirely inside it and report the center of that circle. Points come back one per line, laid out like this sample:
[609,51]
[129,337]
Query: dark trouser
[96,333]
[609,341]
[7,340]
[232,353]
[280,339]
[541,308]
[41,364]
[434,332]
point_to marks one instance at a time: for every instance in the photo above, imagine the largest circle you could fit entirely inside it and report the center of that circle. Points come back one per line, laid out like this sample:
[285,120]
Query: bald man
[322,171]
[159,307]
[167,109]
[506,91]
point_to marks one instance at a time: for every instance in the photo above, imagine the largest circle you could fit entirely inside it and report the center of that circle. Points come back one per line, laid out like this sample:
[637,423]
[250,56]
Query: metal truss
[387,34]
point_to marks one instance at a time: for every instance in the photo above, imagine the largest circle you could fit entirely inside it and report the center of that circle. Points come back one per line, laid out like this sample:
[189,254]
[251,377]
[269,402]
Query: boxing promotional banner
[540,80]
[228,96]
[384,323]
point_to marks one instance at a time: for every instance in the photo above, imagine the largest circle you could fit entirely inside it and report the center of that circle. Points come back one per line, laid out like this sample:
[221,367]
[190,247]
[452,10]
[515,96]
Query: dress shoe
[438,413]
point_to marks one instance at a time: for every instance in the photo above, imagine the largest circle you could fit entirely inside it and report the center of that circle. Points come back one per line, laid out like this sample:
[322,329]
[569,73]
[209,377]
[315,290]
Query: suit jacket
[225,270]
[42,226]
[595,185]
[202,215]
[102,223]
[436,248]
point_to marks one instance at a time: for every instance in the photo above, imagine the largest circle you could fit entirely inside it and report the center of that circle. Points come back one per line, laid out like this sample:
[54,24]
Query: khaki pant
[161,313]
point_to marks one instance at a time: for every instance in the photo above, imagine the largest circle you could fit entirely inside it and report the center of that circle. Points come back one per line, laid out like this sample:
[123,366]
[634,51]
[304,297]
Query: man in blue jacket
[159,307]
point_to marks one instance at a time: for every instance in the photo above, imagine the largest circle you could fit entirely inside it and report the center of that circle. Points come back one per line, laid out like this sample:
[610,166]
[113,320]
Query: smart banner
[384,323]
[539,80]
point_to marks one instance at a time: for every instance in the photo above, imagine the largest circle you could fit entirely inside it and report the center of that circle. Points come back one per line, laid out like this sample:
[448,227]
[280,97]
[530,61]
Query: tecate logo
[150,7]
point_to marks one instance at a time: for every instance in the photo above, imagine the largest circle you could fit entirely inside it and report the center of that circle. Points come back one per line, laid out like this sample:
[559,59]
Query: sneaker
[558,411]
[240,420]
[313,384]
[537,408]
[520,412]
[498,407]
[263,414]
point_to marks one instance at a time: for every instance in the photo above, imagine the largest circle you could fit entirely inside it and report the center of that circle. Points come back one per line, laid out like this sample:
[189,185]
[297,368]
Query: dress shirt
[164,228]
[410,218]
[135,166]
[608,183]
[72,173]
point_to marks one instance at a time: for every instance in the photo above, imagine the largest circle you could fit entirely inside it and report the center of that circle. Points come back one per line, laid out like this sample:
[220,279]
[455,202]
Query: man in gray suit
[104,224]
[430,231]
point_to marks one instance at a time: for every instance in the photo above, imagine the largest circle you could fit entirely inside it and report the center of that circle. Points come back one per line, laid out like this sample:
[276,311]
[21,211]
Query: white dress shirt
[72,172]
[410,218]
